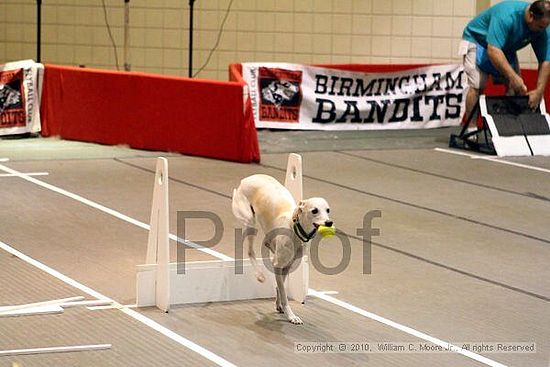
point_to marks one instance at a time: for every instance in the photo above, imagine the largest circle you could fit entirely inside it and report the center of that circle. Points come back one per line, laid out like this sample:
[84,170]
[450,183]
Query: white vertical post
[158,245]
[298,280]
[293,180]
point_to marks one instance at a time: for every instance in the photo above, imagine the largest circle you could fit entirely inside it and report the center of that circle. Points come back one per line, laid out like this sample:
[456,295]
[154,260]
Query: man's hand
[536,95]
[517,85]
[499,61]
[534,98]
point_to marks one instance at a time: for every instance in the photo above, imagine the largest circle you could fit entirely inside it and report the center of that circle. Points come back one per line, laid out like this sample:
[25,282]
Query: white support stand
[153,287]
[293,179]
[298,281]
[159,284]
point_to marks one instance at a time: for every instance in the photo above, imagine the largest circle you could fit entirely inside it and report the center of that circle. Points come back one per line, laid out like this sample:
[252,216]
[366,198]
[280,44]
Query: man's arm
[536,95]
[499,61]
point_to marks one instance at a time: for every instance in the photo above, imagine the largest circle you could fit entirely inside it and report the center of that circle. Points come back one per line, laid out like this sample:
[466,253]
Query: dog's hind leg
[252,255]
[281,292]
[243,211]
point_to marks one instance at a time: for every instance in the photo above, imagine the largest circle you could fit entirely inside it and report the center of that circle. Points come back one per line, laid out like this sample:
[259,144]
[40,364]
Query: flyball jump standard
[509,128]
[162,283]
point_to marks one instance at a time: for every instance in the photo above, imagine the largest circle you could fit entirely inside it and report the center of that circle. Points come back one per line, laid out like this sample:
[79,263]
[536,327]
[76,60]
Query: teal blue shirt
[503,26]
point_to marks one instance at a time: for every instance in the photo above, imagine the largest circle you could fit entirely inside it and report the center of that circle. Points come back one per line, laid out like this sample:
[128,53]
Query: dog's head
[312,213]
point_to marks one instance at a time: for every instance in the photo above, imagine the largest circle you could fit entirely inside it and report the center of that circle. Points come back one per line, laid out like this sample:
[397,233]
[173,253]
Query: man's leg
[471,99]
[476,82]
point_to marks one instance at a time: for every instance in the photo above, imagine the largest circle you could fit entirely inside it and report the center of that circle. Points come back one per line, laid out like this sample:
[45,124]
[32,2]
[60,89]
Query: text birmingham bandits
[394,99]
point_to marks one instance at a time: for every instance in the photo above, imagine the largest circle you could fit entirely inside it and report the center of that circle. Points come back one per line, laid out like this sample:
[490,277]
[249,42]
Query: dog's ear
[299,209]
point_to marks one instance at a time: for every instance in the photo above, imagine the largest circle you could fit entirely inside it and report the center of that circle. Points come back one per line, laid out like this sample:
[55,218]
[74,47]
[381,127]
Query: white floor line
[457,152]
[135,315]
[104,209]
[219,255]
[534,168]
[55,302]
[4,159]
[405,329]
[28,174]
[110,307]
[33,311]
[75,348]
[493,159]
[87,303]
[328,293]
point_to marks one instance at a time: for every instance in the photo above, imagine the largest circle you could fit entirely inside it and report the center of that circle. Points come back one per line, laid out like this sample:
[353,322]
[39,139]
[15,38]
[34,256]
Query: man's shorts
[476,77]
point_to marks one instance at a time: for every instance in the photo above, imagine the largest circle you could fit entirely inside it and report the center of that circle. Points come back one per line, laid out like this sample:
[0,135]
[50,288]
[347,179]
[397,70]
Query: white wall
[301,31]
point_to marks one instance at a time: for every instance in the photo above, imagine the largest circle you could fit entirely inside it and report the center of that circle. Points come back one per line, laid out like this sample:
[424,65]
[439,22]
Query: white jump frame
[159,284]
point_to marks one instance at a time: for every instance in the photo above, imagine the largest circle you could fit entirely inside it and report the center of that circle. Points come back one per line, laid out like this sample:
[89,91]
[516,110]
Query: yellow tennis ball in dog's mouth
[326,232]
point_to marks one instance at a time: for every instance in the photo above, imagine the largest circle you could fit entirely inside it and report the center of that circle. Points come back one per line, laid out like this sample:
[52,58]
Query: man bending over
[489,45]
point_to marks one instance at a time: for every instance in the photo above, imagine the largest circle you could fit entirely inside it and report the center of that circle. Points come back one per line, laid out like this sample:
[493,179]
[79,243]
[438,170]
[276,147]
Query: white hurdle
[298,281]
[153,279]
[159,284]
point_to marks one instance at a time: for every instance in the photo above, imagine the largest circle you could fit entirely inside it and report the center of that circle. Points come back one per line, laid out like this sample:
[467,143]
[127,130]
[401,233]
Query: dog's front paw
[295,320]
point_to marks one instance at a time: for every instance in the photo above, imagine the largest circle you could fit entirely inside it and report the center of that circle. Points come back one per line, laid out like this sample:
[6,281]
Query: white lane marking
[4,159]
[456,152]
[110,307]
[55,302]
[405,329]
[492,159]
[534,168]
[28,174]
[87,303]
[135,315]
[75,348]
[109,211]
[145,226]
[33,311]
[328,293]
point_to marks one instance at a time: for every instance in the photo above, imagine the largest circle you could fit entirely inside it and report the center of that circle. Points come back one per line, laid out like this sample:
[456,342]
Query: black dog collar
[302,234]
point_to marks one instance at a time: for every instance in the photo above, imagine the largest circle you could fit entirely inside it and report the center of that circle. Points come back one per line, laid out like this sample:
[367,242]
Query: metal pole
[38,29]
[191,4]
[127,65]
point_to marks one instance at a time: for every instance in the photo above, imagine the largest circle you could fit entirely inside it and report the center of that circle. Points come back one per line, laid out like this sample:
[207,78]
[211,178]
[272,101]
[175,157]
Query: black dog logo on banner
[9,97]
[279,91]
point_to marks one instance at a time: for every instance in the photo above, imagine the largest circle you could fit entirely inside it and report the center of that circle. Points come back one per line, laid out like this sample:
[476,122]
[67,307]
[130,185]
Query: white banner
[293,96]
[20,91]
